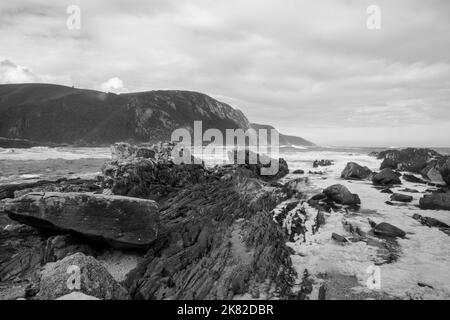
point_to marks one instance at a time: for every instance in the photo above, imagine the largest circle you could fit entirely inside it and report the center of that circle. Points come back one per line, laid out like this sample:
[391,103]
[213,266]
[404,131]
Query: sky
[310,68]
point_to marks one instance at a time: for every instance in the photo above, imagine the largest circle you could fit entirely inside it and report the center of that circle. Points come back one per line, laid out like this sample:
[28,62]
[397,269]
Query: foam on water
[44,153]
[425,252]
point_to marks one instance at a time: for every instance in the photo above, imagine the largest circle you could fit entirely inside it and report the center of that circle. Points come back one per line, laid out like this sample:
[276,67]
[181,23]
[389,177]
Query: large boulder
[340,194]
[438,170]
[354,171]
[122,222]
[386,177]
[437,201]
[79,273]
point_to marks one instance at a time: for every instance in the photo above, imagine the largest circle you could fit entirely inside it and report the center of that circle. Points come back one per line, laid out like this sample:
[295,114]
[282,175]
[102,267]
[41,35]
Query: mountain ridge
[49,114]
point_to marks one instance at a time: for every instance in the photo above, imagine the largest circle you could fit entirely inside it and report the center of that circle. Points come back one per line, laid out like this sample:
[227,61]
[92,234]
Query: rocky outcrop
[122,222]
[354,171]
[428,162]
[436,201]
[221,241]
[386,177]
[79,273]
[340,194]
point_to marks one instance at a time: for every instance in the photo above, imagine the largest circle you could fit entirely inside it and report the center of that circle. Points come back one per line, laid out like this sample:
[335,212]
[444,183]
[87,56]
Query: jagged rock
[437,201]
[401,197]
[413,178]
[322,163]
[354,171]
[244,159]
[409,159]
[62,185]
[221,241]
[386,177]
[121,221]
[60,278]
[429,163]
[430,222]
[340,194]
[388,230]
[299,171]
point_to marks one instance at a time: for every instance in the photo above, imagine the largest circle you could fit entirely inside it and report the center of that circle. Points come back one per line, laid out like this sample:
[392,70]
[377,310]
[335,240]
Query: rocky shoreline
[149,229]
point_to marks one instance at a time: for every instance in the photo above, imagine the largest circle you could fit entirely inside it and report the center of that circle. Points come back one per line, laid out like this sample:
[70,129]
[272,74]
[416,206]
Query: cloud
[305,67]
[114,85]
[13,73]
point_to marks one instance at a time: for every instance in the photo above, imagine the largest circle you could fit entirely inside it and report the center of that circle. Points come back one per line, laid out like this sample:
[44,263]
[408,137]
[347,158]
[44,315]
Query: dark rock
[220,240]
[386,177]
[121,221]
[388,230]
[437,201]
[339,238]
[409,190]
[322,163]
[340,194]
[354,171]
[388,163]
[401,197]
[299,171]
[386,190]
[94,279]
[319,196]
[413,178]
[430,222]
[409,159]
[62,185]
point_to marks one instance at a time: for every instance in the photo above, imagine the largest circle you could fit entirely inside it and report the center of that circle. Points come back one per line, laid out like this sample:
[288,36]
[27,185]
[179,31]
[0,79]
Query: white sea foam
[44,153]
[425,256]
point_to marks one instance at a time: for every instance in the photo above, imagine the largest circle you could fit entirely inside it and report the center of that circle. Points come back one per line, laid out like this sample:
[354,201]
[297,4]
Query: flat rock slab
[123,222]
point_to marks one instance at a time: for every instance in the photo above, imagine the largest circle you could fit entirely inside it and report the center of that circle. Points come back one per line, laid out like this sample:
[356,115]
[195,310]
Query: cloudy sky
[310,68]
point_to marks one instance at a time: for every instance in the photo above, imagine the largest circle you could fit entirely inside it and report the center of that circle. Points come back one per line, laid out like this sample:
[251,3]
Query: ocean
[424,256]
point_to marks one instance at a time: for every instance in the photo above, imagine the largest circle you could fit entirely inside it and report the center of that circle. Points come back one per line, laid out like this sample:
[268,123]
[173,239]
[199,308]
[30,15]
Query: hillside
[285,140]
[48,114]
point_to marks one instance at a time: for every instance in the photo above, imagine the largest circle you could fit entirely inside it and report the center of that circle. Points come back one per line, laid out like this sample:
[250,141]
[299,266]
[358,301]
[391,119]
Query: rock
[242,158]
[354,171]
[299,171]
[62,185]
[338,238]
[386,177]
[322,163]
[122,222]
[80,273]
[388,230]
[413,178]
[438,170]
[318,197]
[430,222]
[388,163]
[222,241]
[409,190]
[409,159]
[437,201]
[401,197]
[340,194]
[386,190]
